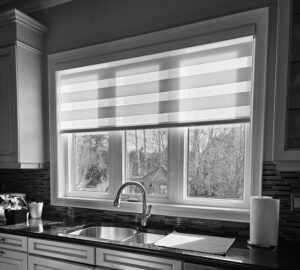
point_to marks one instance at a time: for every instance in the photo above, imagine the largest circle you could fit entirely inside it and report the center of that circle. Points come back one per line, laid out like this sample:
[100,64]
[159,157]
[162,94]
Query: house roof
[159,175]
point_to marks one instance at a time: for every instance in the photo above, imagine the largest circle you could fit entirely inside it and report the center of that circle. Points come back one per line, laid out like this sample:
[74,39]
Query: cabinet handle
[1,252]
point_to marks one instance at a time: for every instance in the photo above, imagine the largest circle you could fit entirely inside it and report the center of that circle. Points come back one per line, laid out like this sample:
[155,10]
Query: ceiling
[29,6]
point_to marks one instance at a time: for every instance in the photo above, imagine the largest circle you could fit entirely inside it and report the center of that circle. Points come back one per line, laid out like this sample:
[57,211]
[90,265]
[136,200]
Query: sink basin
[105,232]
[145,238]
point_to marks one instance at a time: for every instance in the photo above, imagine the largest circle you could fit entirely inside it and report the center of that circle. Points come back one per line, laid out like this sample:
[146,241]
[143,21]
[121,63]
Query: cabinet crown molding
[16,16]
[15,26]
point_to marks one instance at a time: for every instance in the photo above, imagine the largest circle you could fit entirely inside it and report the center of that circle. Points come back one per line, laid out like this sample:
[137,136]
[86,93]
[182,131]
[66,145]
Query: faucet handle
[146,215]
[117,201]
[148,212]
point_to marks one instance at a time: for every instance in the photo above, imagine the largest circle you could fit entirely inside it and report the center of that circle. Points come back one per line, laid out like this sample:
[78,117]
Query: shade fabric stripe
[158,97]
[160,120]
[132,78]
[212,55]
[205,80]
[196,104]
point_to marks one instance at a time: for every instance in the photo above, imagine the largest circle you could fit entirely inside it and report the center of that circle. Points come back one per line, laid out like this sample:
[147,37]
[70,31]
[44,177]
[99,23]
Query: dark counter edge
[143,250]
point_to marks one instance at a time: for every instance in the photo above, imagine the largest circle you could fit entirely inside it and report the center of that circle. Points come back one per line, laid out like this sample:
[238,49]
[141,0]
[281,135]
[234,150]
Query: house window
[179,119]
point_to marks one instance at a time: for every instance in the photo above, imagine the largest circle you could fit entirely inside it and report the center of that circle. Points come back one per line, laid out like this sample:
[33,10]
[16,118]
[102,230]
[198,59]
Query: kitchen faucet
[146,209]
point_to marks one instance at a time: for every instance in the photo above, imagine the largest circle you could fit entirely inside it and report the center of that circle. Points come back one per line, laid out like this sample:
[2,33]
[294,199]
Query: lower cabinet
[63,251]
[79,257]
[114,259]
[39,263]
[41,254]
[12,260]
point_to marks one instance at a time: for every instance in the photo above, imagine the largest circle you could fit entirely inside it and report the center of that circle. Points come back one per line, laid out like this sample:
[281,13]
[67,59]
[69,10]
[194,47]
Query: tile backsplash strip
[276,184]
[281,185]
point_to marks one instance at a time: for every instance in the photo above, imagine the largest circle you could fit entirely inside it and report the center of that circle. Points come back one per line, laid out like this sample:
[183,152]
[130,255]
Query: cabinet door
[61,250]
[10,260]
[40,263]
[13,242]
[114,259]
[8,103]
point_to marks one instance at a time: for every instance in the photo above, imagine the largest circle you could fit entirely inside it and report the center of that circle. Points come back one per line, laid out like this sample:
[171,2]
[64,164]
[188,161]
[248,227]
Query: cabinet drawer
[130,261]
[38,263]
[11,260]
[60,250]
[14,242]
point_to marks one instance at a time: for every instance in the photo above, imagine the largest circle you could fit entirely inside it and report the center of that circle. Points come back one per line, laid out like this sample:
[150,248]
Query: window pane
[216,161]
[147,160]
[90,162]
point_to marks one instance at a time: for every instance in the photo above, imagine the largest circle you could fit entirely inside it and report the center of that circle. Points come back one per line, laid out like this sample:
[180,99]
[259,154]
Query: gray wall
[86,22]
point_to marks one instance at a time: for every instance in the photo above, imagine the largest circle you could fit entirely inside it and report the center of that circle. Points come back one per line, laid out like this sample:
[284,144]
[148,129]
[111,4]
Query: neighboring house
[156,182]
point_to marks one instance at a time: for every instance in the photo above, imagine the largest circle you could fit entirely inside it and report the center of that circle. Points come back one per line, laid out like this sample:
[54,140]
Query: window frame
[231,203]
[152,199]
[231,26]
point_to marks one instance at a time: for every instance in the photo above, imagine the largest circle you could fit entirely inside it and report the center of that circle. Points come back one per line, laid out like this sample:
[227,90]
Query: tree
[216,161]
[91,156]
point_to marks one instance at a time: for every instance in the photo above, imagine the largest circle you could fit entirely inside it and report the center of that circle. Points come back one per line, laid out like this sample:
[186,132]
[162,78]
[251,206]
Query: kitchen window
[180,111]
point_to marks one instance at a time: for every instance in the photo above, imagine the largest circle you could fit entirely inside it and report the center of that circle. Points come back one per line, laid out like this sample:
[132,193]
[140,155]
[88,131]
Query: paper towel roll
[264,219]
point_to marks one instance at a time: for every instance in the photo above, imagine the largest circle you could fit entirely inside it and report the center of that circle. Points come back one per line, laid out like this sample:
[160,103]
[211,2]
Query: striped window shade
[201,84]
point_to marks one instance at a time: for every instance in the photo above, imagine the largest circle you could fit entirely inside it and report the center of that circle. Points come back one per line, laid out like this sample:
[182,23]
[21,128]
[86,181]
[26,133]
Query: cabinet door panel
[13,242]
[10,260]
[60,250]
[7,106]
[8,264]
[114,259]
[39,263]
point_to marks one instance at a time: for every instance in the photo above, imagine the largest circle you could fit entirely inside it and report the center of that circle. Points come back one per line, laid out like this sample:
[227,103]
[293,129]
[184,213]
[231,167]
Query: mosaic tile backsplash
[36,184]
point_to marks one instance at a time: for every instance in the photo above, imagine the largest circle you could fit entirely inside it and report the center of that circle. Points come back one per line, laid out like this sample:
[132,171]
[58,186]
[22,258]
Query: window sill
[201,212]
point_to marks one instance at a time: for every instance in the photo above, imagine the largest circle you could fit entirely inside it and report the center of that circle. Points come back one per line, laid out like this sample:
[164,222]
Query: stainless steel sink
[105,232]
[145,238]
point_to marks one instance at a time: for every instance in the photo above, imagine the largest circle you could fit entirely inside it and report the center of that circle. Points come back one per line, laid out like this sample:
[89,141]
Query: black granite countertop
[239,256]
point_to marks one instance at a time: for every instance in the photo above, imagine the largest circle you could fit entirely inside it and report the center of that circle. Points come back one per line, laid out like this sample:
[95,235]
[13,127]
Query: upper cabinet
[287,113]
[21,97]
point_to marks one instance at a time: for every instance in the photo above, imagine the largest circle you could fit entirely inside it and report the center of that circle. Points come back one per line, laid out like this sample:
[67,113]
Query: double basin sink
[122,234]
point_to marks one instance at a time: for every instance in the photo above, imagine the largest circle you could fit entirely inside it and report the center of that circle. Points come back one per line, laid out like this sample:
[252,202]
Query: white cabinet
[13,252]
[60,250]
[21,83]
[13,242]
[8,138]
[287,111]
[19,253]
[43,253]
[10,260]
[39,263]
[114,259]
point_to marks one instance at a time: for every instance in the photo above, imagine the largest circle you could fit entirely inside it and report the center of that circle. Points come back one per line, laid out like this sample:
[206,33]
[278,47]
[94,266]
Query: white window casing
[65,119]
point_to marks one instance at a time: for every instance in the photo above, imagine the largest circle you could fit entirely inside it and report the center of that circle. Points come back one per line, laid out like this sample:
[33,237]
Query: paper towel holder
[252,244]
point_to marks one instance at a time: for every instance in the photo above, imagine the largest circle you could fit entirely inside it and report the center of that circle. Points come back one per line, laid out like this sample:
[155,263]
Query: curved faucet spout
[146,209]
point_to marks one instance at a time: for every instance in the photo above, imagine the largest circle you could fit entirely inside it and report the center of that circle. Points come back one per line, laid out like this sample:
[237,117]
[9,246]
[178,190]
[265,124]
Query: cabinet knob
[1,240]
[13,154]
[1,252]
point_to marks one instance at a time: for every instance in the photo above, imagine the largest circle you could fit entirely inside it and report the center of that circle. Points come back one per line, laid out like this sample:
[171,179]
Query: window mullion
[115,162]
[176,163]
